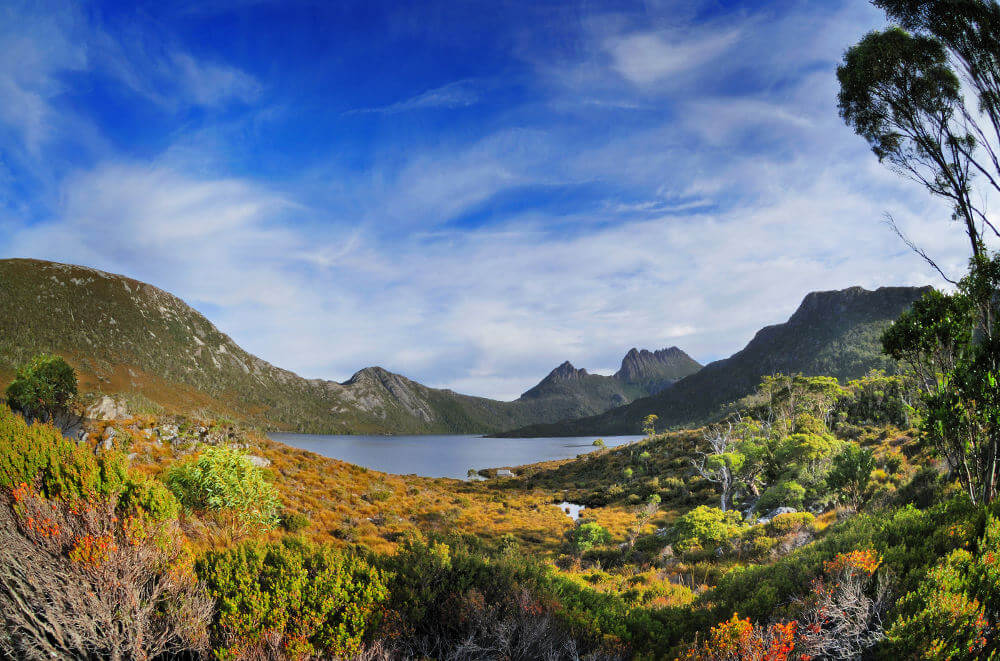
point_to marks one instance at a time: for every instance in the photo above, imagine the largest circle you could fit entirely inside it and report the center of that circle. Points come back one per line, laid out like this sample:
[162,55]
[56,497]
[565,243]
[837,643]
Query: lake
[443,456]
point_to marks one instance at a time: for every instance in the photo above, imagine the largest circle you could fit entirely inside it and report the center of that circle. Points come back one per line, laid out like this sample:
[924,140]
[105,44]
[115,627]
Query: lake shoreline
[444,455]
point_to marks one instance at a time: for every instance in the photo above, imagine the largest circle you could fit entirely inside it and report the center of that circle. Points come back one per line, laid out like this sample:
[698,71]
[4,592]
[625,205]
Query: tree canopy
[42,388]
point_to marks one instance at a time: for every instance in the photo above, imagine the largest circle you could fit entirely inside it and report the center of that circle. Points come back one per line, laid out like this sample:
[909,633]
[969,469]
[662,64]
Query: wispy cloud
[458,94]
[652,180]
[36,48]
[649,57]
[167,75]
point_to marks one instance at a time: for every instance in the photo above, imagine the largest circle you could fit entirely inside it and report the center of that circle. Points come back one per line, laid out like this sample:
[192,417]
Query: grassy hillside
[834,333]
[146,346]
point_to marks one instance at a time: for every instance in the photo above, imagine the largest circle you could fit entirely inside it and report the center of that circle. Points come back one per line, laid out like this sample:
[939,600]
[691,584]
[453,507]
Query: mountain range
[832,333]
[147,347]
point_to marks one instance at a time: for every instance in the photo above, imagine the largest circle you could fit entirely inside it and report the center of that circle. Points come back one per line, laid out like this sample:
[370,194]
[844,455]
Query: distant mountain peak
[818,306]
[656,369]
[832,333]
[566,371]
[370,374]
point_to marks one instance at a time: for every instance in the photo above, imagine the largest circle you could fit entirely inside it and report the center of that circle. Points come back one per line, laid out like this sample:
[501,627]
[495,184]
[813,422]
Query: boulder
[108,438]
[260,462]
[775,512]
[107,408]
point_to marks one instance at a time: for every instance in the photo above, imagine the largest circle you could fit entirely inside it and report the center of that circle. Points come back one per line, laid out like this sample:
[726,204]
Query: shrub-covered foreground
[90,563]
[291,598]
[95,562]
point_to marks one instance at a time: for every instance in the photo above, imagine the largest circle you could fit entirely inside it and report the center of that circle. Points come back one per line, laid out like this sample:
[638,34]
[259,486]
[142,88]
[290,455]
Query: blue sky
[467,193]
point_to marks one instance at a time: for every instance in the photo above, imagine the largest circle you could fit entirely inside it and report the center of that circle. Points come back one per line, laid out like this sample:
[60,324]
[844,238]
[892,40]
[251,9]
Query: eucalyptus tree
[925,94]
[905,89]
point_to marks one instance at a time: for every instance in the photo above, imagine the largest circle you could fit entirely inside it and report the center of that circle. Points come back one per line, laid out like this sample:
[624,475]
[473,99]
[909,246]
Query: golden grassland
[350,505]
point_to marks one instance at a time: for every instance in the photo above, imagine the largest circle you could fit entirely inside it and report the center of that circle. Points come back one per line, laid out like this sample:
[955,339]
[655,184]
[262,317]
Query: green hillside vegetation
[832,333]
[139,343]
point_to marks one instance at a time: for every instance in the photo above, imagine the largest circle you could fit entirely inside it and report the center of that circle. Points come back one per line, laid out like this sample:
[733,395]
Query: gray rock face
[107,408]
[656,369]
[775,512]
[108,438]
[260,462]
[567,371]
[373,389]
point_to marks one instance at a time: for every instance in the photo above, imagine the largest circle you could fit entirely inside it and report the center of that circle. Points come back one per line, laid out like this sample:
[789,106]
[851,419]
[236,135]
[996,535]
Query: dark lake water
[444,456]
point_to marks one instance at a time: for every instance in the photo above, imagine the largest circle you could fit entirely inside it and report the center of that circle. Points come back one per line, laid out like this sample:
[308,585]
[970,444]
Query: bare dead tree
[75,584]
[520,629]
[716,465]
[841,620]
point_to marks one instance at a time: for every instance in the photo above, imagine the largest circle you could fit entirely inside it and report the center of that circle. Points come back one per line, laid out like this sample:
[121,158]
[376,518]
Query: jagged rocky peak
[373,375]
[668,364]
[566,371]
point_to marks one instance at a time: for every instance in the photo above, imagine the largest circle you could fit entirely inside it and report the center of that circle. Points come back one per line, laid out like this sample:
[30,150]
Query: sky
[468,193]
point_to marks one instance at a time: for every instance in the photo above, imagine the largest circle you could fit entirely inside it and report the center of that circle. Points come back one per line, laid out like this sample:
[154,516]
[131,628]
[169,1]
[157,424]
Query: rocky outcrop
[656,370]
[107,408]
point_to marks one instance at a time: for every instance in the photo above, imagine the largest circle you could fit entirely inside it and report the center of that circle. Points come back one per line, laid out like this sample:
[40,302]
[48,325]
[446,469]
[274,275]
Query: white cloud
[42,42]
[648,57]
[212,84]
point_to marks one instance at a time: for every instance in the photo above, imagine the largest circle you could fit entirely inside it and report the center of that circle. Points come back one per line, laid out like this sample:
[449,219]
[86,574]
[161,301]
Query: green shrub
[445,594]
[225,480]
[314,600]
[909,540]
[705,528]
[783,494]
[944,620]
[42,388]
[149,497]
[784,524]
[294,521]
[759,546]
[950,613]
[605,557]
[674,483]
[587,535]
[852,468]
[39,456]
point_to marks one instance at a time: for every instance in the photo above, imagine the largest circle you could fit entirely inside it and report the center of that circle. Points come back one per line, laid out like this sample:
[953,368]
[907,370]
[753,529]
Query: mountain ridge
[832,333]
[131,339]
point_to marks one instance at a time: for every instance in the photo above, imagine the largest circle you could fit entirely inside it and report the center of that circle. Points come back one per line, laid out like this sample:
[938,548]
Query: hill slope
[133,340]
[833,333]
